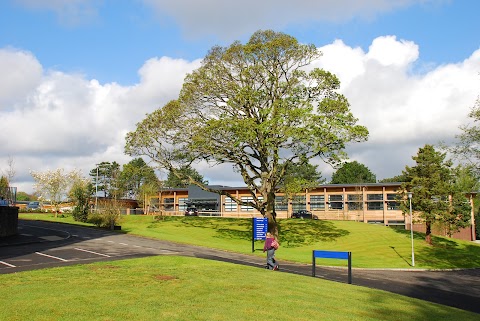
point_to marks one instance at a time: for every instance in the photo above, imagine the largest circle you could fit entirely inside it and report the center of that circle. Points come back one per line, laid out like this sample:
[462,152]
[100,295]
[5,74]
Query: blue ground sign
[333,255]
[259,230]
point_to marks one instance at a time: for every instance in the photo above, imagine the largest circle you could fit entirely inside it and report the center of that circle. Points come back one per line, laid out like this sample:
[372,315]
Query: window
[375,197]
[299,203]
[281,203]
[182,204]
[317,202]
[392,203]
[373,205]
[246,208]
[355,202]
[335,202]
[169,203]
[230,205]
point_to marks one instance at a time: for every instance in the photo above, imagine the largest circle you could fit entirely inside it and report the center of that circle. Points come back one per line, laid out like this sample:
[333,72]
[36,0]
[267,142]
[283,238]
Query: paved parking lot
[43,244]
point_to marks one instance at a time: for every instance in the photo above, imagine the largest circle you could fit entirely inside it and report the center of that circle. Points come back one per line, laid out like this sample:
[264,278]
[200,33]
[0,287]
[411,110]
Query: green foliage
[4,192]
[3,183]
[23,196]
[183,177]
[107,217]
[436,197]
[468,145]
[256,106]
[106,178]
[134,175]
[353,173]
[81,194]
[394,179]
[299,177]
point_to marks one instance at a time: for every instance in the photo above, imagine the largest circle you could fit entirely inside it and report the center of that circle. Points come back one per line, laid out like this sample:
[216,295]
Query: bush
[80,213]
[106,217]
[95,218]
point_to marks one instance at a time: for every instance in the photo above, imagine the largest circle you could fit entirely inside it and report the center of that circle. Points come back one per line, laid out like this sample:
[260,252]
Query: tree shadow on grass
[444,252]
[295,232]
[232,228]
[292,232]
[466,256]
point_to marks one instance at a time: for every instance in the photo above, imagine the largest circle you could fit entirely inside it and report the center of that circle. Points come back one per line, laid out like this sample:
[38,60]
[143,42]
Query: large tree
[436,194]
[468,144]
[259,106]
[353,173]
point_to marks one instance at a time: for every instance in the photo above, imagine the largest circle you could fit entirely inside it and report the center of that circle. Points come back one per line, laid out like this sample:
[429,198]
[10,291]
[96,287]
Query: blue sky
[89,70]
[111,43]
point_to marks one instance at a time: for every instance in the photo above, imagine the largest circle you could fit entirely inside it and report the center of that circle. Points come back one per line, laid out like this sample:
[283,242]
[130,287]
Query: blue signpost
[259,230]
[333,255]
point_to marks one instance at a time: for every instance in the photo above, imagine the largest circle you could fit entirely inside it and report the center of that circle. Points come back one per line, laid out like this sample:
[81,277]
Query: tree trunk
[271,215]
[428,232]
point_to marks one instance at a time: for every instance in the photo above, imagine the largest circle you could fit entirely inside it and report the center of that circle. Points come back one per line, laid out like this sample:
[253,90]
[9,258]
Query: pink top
[268,244]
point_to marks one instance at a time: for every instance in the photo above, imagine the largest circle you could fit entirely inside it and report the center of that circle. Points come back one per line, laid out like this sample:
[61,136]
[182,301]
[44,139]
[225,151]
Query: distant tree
[23,196]
[53,185]
[148,188]
[183,177]
[134,175]
[435,196]
[300,177]
[466,180]
[395,179]
[81,193]
[105,177]
[10,171]
[353,173]
[4,186]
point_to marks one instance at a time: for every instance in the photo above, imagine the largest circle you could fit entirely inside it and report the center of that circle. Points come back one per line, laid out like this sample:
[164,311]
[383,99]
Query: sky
[77,75]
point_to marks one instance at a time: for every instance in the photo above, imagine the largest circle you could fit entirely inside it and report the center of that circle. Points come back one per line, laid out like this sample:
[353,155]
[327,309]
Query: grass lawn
[372,246]
[181,288]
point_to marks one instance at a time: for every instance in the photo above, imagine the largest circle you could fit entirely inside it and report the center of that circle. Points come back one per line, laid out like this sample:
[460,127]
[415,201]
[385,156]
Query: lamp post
[96,190]
[411,227]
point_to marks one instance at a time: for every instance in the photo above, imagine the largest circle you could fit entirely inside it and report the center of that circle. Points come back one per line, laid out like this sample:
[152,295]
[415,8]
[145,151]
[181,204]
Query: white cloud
[65,120]
[402,110]
[231,19]
[56,119]
[21,72]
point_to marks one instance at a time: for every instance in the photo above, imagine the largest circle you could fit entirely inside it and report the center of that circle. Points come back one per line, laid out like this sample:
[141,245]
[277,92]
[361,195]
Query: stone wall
[8,220]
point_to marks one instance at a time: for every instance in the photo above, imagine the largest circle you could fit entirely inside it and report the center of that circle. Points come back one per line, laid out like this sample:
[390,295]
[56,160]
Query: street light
[96,191]
[411,227]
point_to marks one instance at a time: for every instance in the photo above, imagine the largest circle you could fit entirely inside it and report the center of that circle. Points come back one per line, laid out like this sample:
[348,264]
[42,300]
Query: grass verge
[372,246]
[181,288]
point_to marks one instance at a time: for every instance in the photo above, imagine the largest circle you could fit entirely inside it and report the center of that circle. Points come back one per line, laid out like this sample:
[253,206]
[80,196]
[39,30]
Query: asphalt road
[43,244]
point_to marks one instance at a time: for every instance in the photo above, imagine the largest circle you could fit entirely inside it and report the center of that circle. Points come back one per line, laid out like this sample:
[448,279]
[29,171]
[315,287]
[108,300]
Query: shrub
[106,217]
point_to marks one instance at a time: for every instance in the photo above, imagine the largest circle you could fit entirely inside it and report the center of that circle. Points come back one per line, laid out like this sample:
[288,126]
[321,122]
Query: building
[369,203]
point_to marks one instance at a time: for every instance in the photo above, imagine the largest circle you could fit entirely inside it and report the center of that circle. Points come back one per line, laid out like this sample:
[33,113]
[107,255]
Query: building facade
[369,203]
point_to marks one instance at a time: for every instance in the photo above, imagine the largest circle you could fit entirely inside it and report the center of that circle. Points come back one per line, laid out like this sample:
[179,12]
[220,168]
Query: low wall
[8,220]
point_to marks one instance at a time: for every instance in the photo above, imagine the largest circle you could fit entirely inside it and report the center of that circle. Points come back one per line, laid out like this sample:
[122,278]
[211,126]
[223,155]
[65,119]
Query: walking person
[270,246]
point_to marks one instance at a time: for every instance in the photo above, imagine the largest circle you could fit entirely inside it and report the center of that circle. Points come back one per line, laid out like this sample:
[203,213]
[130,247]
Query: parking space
[39,245]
